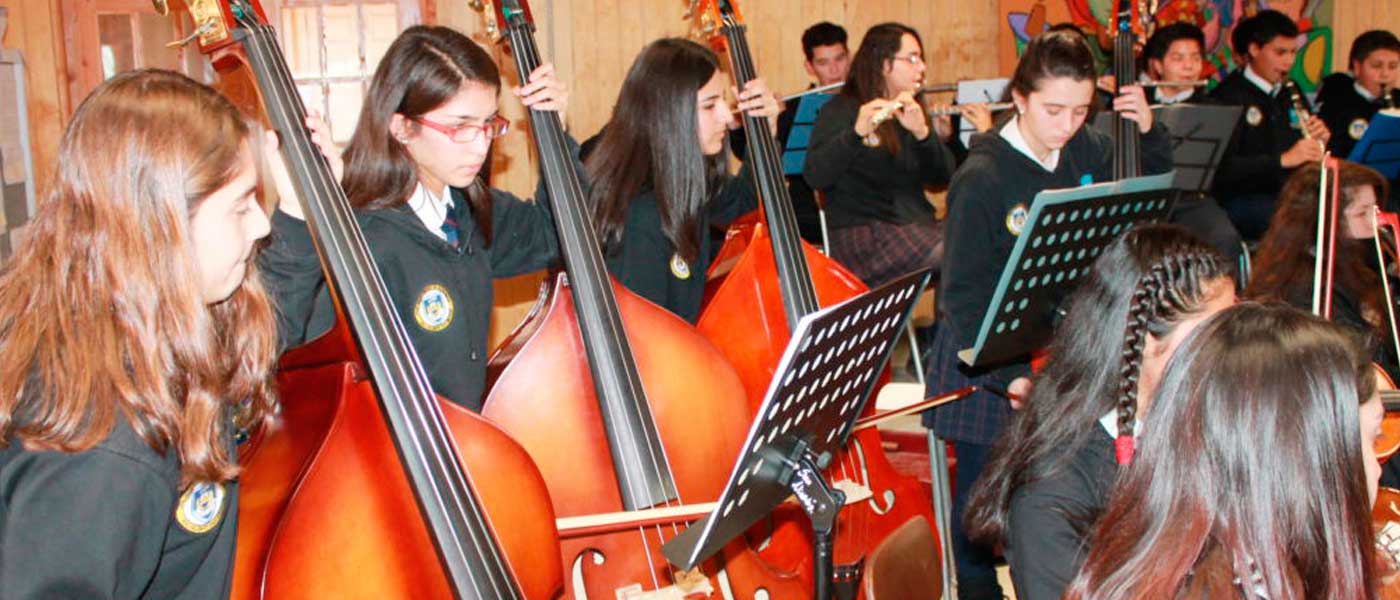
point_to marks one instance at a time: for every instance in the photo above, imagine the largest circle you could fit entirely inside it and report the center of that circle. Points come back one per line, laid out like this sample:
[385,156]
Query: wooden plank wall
[593,42]
[1356,17]
[35,29]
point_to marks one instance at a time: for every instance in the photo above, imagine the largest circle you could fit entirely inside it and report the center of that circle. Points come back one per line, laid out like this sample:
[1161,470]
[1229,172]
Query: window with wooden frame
[333,47]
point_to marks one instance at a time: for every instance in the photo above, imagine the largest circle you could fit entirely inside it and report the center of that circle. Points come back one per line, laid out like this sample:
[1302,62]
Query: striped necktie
[449,224]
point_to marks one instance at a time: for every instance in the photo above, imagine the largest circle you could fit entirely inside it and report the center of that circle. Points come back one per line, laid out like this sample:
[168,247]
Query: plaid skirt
[880,252]
[978,418]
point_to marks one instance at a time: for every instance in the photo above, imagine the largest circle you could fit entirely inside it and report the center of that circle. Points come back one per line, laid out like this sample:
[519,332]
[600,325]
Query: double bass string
[550,132]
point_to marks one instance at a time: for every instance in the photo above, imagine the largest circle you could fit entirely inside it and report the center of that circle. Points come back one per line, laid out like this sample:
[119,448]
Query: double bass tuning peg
[203,28]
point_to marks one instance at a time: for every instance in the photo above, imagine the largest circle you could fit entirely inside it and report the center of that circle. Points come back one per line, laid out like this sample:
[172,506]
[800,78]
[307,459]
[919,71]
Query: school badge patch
[679,267]
[1357,128]
[1016,219]
[433,310]
[201,507]
[1253,116]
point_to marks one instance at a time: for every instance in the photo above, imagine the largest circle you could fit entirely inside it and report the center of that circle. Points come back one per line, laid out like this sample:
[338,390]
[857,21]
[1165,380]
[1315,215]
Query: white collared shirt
[1363,91]
[431,209]
[1173,99]
[1263,84]
[1011,132]
[1110,424]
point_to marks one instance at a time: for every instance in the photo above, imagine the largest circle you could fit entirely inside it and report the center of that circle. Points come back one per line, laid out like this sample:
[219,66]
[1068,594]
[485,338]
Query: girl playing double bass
[656,187]
[439,235]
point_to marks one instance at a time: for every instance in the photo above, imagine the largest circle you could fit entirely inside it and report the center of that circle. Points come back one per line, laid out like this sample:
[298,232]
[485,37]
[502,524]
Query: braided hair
[1151,278]
[1171,287]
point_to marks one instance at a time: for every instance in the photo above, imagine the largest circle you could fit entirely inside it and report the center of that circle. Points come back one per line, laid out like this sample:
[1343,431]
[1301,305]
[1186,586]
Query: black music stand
[1200,135]
[1379,147]
[819,389]
[1064,232]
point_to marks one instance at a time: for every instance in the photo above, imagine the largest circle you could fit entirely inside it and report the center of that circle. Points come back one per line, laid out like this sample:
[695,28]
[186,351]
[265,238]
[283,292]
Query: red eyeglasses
[493,128]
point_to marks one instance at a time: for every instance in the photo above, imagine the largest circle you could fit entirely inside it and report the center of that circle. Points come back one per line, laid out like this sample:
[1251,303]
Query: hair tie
[1123,449]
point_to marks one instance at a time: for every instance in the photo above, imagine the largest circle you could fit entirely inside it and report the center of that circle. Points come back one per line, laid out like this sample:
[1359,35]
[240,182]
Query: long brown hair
[866,81]
[100,317]
[424,68]
[1259,400]
[1284,263]
[650,142]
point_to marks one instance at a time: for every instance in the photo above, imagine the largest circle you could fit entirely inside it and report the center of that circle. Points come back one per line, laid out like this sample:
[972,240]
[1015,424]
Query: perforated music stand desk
[1379,147]
[1064,232]
[820,387]
[1200,136]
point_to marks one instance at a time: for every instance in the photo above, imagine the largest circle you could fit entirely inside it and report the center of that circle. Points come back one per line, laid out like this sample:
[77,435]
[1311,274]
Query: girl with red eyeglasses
[438,234]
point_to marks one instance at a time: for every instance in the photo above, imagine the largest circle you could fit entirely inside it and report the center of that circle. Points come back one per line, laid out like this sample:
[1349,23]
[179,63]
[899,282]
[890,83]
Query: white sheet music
[978,91]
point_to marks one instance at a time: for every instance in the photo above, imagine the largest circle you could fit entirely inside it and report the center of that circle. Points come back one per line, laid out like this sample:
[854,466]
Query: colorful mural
[1022,19]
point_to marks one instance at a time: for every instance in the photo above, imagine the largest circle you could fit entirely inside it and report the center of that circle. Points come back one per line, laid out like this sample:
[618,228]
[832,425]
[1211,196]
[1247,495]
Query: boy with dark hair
[824,45]
[1174,53]
[1267,144]
[1347,101]
[828,61]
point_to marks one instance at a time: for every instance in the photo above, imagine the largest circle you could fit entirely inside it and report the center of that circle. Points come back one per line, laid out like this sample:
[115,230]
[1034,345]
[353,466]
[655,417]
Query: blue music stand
[800,135]
[1379,148]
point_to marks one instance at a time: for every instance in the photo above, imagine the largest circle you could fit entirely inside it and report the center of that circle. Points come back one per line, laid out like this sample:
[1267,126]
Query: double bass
[1127,138]
[625,408]
[764,280]
[371,486]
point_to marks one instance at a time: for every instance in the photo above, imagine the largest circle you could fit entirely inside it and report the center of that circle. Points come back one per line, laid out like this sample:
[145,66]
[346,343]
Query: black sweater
[1251,165]
[643,260]
[1049,520]
[420,270]
[112,522]
[996,180]
[1346,112]
[865,185]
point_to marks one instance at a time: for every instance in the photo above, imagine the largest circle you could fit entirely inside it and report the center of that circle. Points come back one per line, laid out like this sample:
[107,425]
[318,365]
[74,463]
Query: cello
[765,279]
[624,407]
[367,467]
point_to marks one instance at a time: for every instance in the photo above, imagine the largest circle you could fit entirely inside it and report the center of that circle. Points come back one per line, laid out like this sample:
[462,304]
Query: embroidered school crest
[1016,219]
[433,311]
[1357,128]
[201,507]
[679,267]
[1253,116]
